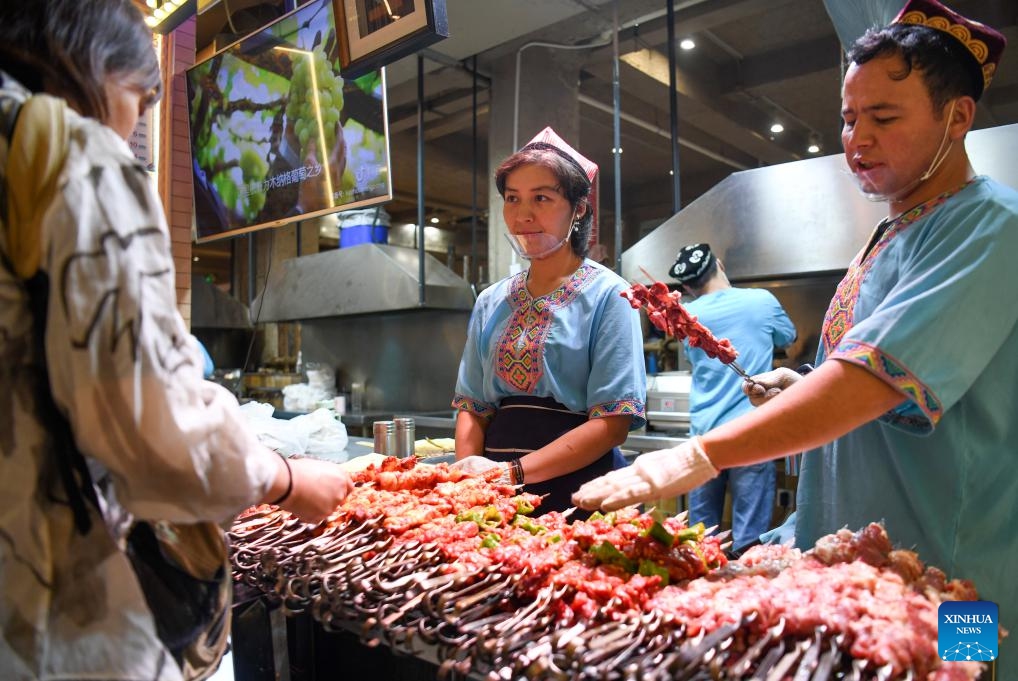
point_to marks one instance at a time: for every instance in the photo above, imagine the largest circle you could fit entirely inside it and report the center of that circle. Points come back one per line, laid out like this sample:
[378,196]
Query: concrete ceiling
[756,62]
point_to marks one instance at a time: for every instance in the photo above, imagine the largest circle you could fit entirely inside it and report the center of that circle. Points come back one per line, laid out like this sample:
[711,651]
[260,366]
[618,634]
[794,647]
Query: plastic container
[356,398]
[362,226]
[363,234]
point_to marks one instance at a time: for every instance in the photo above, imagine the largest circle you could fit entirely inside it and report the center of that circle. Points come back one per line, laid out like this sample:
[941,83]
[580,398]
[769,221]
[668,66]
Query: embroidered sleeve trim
[472,406]
[892,371]
[633,408]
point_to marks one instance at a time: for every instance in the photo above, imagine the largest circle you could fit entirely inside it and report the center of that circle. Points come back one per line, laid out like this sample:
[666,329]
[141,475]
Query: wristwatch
[804,369]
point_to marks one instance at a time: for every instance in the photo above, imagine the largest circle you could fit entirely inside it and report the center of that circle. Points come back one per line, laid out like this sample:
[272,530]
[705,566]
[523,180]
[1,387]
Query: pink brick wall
[175,156]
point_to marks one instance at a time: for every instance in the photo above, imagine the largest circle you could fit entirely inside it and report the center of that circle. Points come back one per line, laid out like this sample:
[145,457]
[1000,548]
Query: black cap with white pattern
[691,262]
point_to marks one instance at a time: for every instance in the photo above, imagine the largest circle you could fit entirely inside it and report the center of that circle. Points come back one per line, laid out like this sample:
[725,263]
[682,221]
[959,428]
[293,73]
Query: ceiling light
[196,258]
[687,44]
[613,150]
[434,221]
[814,143]
[168,14]
[777,127]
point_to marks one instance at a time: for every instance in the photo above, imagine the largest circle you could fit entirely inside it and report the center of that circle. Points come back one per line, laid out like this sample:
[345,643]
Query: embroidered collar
[902,220]
[519,296]
[520,356]
[840,315]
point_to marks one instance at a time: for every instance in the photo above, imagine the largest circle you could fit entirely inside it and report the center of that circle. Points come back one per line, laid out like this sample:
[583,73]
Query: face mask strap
[937,161]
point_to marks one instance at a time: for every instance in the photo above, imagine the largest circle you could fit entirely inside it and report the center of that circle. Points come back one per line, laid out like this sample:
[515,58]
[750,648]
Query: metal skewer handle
[739,370]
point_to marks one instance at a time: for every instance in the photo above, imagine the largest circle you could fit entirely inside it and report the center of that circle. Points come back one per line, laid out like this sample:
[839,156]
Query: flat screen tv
[277,135]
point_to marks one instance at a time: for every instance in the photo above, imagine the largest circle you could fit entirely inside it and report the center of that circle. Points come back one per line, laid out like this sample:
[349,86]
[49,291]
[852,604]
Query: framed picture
[378,32]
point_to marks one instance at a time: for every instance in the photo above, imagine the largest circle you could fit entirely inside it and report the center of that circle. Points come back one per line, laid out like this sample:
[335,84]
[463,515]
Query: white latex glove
[479,465]
[654,475]
[769,384]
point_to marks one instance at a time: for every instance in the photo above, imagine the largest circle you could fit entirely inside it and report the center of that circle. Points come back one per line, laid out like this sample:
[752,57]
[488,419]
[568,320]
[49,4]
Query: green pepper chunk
[649,568]
[485,519]
[523,506]
[692,533]
[490,541]
[607,553]
[658,532]
[528,525]
[492,514]
[596,515]
[470,516]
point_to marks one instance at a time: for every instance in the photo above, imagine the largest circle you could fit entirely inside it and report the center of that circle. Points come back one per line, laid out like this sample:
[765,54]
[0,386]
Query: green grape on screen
[300,107]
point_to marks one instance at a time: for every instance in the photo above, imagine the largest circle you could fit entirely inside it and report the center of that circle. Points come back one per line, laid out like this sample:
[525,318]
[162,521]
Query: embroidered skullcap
[984,44]
[691,262]
[549,139]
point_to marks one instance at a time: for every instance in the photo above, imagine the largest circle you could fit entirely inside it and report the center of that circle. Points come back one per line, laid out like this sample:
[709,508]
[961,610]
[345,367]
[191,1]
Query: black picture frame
[374,33]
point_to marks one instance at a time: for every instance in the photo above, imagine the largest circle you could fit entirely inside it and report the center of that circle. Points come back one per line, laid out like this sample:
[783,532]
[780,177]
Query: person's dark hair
[573,184]
[695,285]
[946,67]
[71,48]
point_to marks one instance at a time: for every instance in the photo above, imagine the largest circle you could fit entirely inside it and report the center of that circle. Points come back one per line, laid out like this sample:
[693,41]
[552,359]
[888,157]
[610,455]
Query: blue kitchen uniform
[754,321]
[577,350]
[932,309]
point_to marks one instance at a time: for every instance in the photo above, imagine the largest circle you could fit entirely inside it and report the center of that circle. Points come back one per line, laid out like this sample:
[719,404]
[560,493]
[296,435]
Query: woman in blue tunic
[552,376]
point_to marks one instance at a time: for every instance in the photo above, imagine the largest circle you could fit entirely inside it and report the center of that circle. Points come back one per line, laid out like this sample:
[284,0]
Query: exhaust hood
[214,309]
[794,219]
[359,280]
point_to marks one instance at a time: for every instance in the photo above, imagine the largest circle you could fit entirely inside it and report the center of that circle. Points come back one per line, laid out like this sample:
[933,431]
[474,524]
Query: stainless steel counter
[443,424]
[639,441]
[644,442]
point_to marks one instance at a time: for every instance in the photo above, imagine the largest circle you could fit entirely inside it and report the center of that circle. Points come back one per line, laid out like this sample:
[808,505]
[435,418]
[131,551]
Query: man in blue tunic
[912,403]
[754,321]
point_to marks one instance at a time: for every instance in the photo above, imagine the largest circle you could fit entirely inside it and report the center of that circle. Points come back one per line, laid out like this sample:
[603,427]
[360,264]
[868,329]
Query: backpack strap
[35,158]
[37,127]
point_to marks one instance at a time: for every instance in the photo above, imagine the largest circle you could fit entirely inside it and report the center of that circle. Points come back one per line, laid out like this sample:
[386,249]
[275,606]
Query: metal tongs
[742,372]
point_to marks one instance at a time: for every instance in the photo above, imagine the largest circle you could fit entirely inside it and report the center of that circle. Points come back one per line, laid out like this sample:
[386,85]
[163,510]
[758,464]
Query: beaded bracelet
[289,482]
[516,471]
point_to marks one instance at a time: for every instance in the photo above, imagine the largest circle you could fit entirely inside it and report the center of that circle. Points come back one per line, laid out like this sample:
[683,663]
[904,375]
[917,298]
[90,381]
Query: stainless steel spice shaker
[385,437]
[405,437]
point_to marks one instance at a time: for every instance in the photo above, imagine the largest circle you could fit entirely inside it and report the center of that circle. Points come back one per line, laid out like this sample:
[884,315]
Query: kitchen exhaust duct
[364,279]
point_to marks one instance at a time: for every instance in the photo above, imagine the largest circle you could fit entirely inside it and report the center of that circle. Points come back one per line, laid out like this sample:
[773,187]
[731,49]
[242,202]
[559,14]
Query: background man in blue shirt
[754,321]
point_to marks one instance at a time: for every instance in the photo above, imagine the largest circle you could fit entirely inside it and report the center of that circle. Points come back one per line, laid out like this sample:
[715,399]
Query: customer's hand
[654,475]
[318,488]
[769,384]
[480,466]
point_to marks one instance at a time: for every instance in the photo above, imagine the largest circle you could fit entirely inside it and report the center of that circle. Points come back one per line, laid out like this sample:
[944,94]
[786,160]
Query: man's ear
[963,117]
